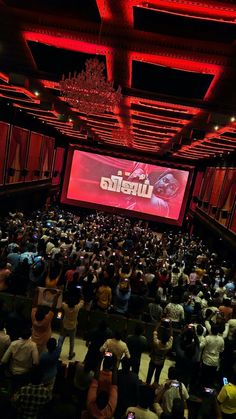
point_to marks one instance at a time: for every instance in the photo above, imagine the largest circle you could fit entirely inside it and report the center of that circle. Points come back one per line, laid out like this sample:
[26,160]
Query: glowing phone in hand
[130,415]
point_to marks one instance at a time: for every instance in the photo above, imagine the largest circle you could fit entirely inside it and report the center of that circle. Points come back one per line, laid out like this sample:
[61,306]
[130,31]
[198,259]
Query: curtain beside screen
[216,190]
[47,156]
[58,164]
[17,155]
[196,190]
[206,188]
[34,157]
[227,196]
[4,130]
[233,219]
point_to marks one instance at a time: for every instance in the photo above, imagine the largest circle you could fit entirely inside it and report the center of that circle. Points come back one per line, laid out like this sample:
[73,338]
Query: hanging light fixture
[88,91]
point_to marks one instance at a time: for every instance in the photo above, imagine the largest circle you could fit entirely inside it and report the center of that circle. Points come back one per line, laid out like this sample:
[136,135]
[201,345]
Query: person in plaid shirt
[31,398]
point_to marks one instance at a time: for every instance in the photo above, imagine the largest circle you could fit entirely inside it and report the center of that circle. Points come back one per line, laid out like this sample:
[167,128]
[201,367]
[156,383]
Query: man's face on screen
[48,296]
[167,186]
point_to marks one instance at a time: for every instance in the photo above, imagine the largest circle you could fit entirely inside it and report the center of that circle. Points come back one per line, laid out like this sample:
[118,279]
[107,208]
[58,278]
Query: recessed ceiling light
[216,127]
[70,120]
[36,93]
[232,119]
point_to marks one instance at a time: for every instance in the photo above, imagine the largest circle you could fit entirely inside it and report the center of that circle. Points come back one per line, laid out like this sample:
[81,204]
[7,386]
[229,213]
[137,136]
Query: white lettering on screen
[120,185]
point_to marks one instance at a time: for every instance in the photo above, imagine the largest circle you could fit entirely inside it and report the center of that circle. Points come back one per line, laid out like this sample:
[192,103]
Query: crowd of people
[115,265]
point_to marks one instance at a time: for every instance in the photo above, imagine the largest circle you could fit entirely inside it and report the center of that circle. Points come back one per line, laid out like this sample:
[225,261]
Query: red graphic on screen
[125,184]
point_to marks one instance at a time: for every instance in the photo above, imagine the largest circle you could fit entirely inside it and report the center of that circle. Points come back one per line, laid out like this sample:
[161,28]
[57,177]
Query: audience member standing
[48,363]
[22,355]
[116,346]
[137,344]
[69,323]
[213,347]
[95,339]
[31,398]
[227,397]
[161,345]
[41,326]
[128,388]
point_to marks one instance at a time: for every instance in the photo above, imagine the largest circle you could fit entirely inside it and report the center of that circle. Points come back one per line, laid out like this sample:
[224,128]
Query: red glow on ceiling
[29,96]
[4,77]
[73,45]
[199,9]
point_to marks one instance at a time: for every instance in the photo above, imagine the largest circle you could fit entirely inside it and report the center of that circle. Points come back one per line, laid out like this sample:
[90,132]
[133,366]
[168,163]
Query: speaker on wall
[11,171]
[224,214]
[24,172]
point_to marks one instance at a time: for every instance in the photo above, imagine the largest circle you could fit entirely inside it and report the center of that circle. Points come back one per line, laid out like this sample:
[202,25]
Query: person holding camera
[69,323]
[161,345]
[102,394]
[42,315]
[167,394]
[227,397]
[187,354]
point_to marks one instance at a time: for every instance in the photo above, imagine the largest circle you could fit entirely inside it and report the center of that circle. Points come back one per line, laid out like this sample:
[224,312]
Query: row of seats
[87,320]
[17,302]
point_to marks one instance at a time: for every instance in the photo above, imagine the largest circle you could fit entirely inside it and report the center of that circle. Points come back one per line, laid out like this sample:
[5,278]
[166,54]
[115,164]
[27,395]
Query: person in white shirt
[175,312]
[213,346]
[171,390]
[142,410]
[117,347]
[22,355]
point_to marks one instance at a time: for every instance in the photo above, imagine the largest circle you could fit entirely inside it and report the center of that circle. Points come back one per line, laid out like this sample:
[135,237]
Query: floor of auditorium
[81,349]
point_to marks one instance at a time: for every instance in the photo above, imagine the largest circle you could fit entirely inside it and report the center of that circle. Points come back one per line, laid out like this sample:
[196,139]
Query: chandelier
[88,91]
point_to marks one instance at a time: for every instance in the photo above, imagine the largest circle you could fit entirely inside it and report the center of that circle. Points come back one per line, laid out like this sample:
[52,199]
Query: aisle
[81,349]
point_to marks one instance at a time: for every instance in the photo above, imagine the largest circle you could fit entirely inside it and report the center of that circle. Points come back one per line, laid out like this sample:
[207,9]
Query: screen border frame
[114,210]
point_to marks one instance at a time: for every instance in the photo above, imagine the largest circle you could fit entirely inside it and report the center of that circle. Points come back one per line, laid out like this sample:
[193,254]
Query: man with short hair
[69,323]
[137,344]
[102,394]
[142,410]
[213,346]
[128,388]
[23,354]
[31,398]
[116,346]
[171,390]
[48,363]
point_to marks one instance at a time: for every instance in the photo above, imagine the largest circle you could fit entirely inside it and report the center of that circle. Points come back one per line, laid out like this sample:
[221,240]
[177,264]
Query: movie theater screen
[105,182]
